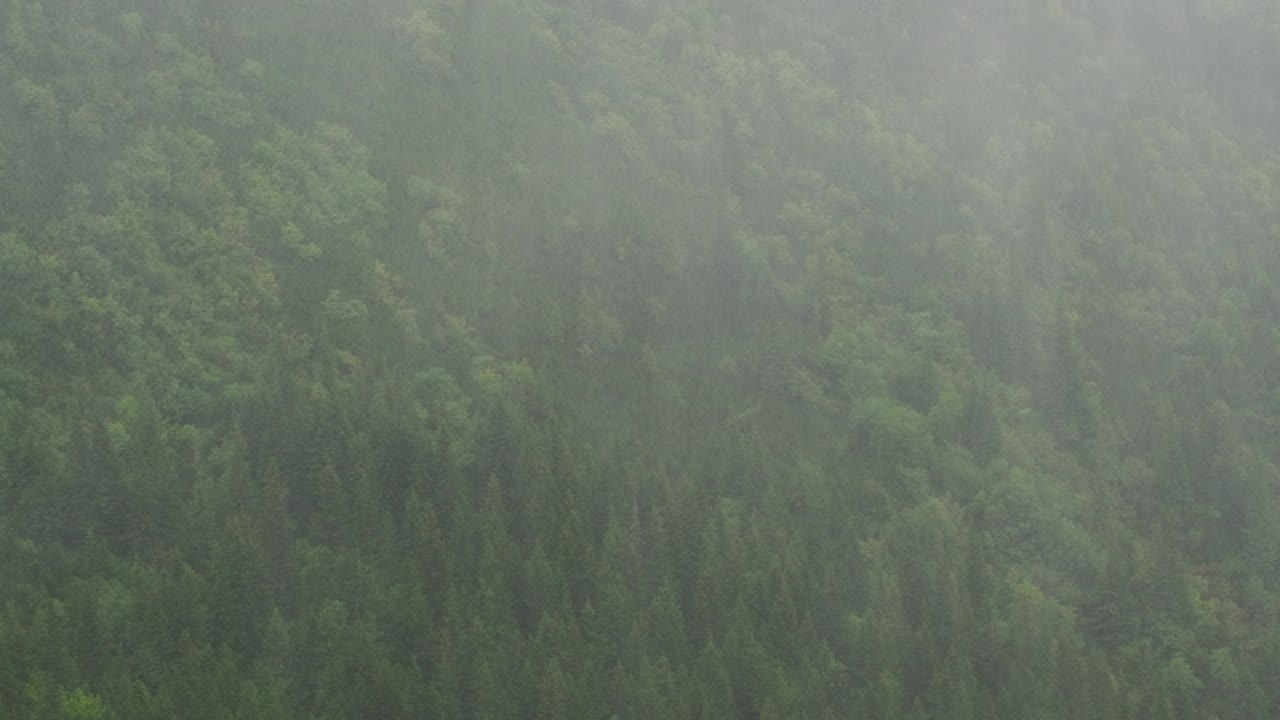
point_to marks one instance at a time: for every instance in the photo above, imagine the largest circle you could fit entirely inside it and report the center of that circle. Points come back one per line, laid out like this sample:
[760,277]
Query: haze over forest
[637,359]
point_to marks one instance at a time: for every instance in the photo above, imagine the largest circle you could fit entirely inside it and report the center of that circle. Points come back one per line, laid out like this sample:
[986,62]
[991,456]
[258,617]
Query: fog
[544,359]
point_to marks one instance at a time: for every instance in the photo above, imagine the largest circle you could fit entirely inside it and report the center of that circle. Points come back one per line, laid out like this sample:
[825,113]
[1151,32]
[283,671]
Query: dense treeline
[595,358]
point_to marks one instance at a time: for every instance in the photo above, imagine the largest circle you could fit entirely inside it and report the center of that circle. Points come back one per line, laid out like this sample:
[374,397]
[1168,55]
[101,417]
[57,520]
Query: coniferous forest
[591,359]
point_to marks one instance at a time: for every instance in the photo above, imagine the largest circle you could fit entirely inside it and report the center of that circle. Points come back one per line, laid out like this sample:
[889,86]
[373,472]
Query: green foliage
[516,358]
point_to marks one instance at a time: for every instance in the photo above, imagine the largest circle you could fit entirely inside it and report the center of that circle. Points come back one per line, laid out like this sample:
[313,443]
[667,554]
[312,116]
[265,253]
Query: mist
[493,359]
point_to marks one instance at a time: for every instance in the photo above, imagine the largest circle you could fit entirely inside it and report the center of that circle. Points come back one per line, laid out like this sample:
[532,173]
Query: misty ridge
[612,359]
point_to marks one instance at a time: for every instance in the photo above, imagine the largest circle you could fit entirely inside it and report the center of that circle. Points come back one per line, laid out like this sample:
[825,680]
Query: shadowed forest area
[591,359]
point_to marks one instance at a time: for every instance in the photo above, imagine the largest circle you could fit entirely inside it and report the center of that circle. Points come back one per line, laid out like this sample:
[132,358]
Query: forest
[639,359]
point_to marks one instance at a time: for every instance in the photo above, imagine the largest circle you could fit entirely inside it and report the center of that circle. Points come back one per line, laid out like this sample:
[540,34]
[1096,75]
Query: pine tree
[426,546]
[713,694]
[274,525]
[331,522]
[553,694]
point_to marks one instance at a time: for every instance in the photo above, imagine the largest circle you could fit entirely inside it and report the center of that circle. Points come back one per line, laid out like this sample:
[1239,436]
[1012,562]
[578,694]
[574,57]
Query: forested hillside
[590,359]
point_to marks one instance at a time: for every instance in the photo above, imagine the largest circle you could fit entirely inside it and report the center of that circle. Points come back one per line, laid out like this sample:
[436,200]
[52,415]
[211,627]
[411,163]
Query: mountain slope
[523,358]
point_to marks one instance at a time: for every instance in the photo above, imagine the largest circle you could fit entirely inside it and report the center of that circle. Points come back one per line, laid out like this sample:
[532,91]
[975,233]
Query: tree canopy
[553,359]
